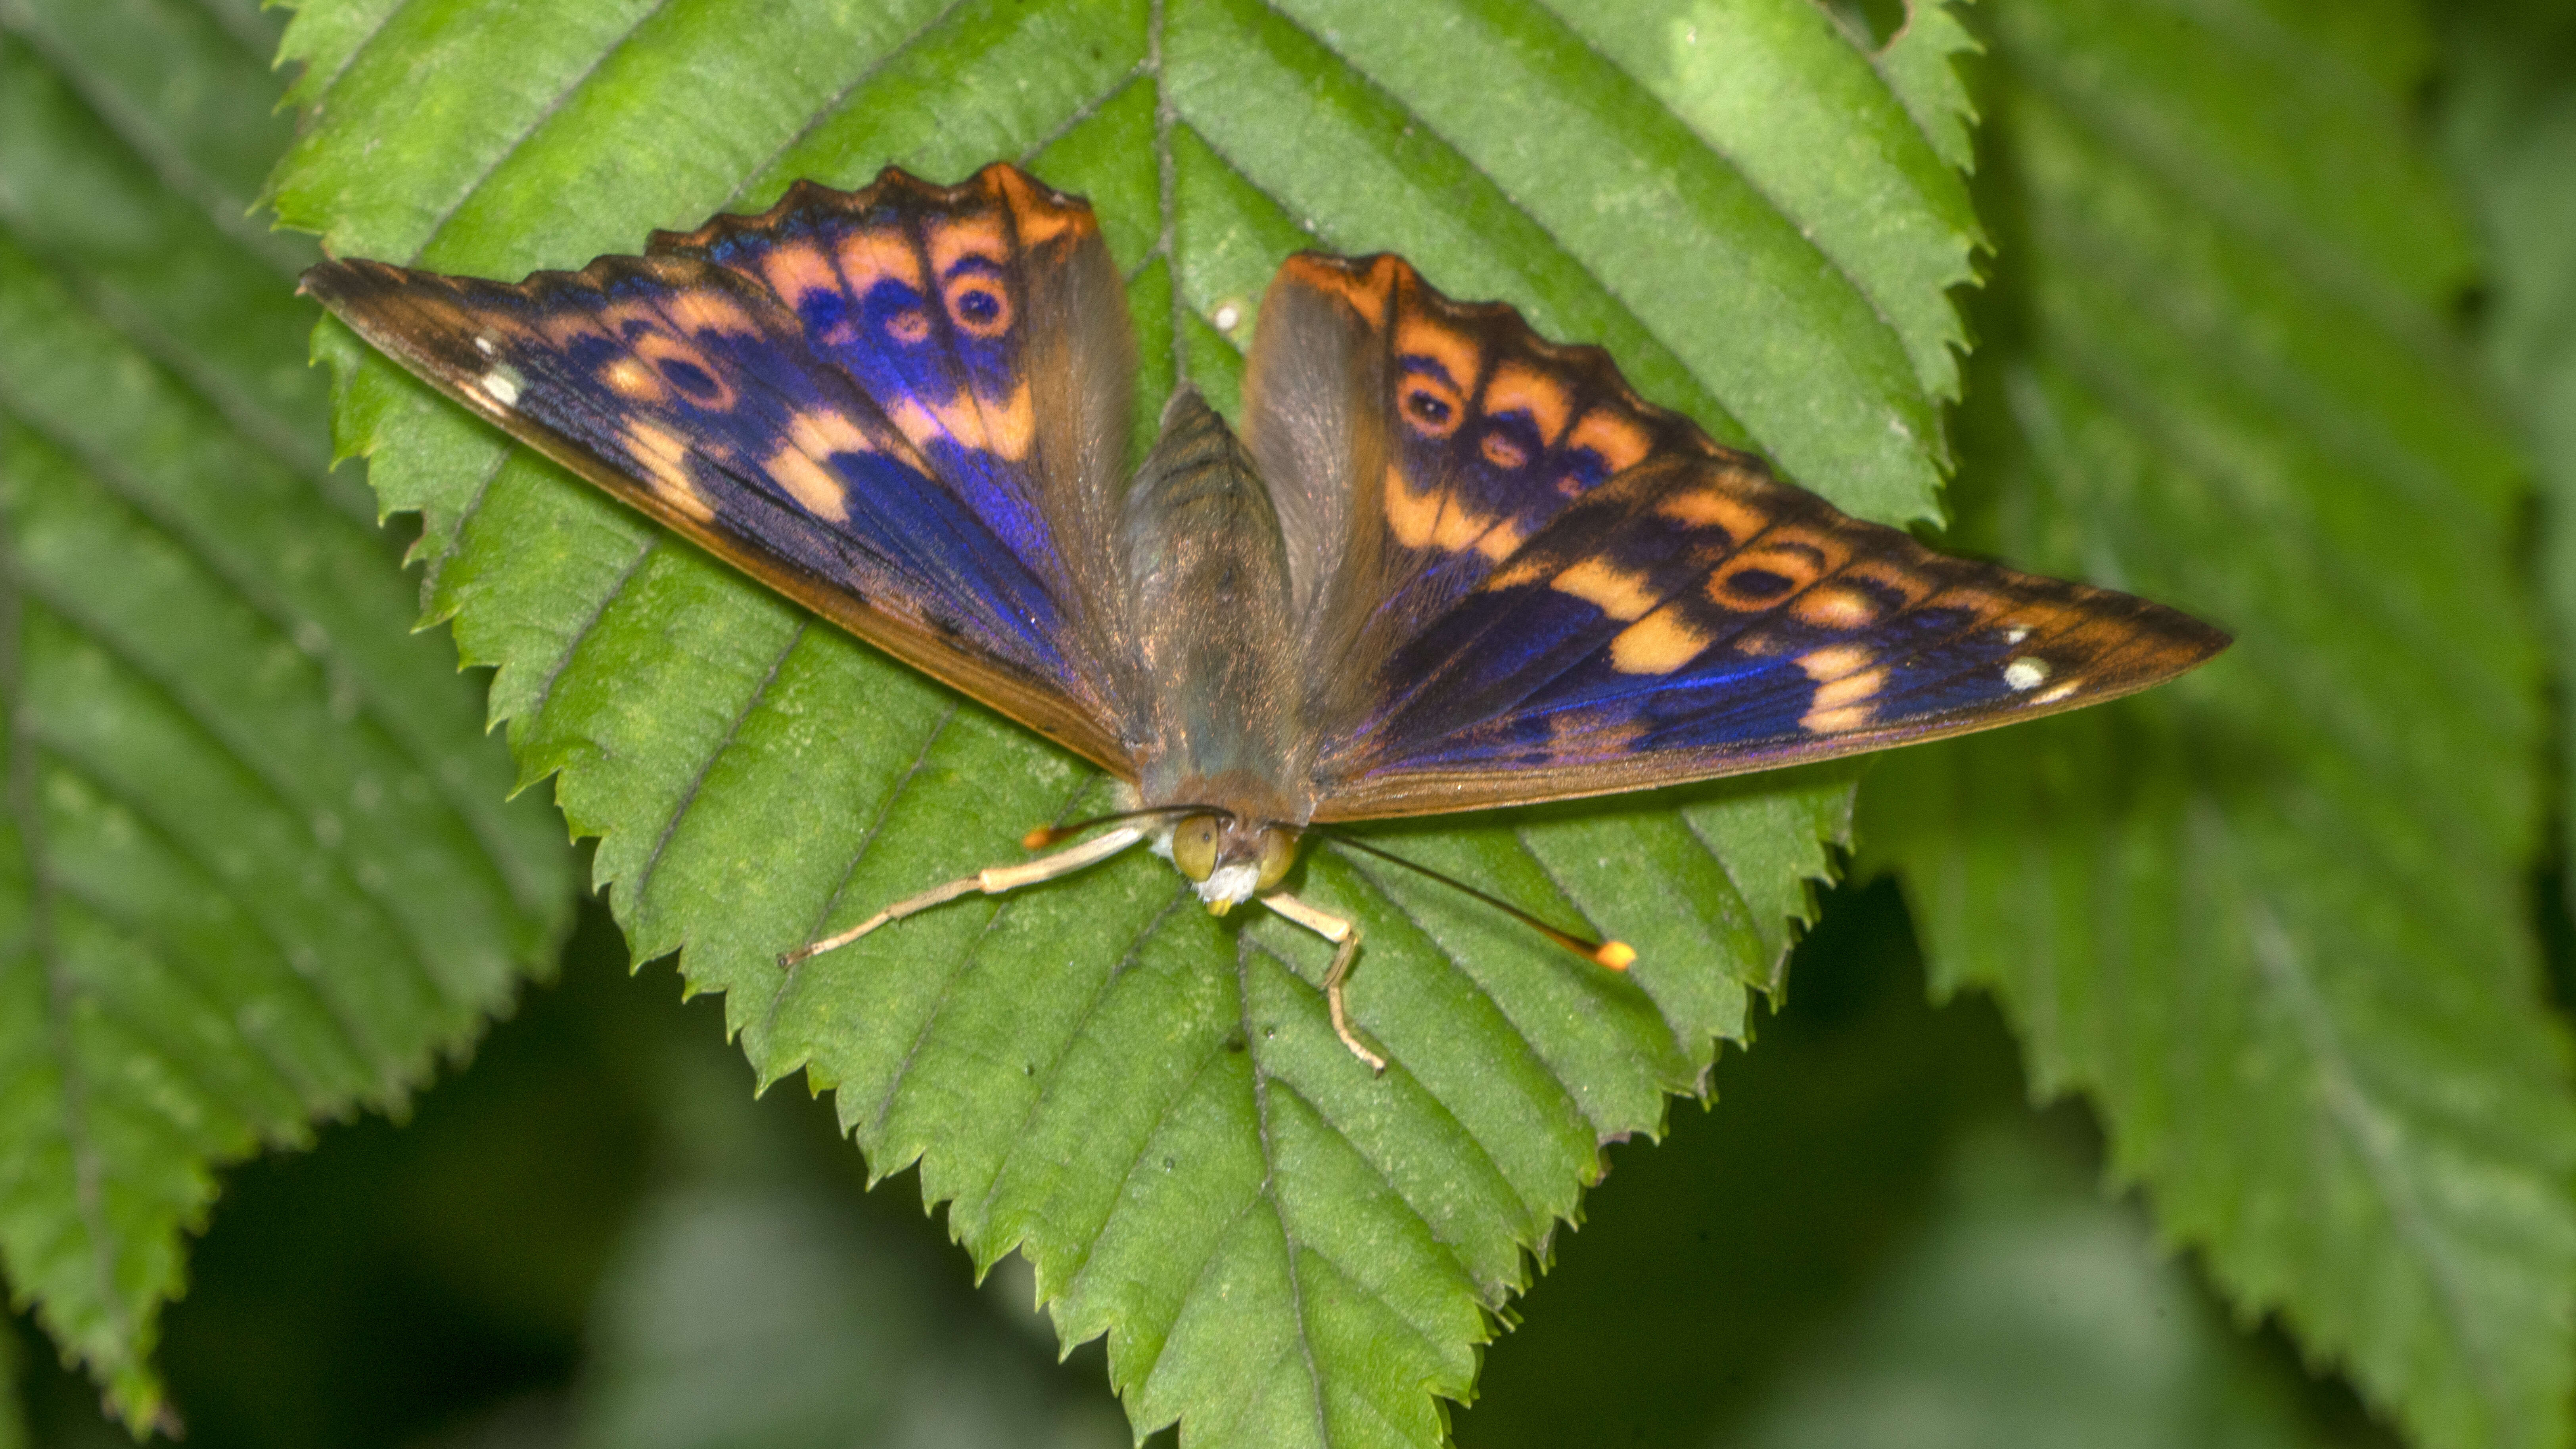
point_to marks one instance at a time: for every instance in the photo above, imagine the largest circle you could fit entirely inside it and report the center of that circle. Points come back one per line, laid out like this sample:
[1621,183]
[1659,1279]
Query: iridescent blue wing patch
[906,407]
[1547,587]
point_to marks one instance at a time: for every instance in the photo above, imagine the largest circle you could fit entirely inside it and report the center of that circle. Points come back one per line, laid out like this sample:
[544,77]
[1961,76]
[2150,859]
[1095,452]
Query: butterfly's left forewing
[1552,588]
[905,407]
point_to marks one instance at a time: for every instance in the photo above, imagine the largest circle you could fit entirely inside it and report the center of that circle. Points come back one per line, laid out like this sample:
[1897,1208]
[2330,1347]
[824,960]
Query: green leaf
[1148,1103]
[254,864]
[2271,917]
[2510,128]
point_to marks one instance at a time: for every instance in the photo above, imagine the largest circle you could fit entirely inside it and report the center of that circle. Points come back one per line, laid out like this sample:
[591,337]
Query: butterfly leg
[1345,936]
[992,881]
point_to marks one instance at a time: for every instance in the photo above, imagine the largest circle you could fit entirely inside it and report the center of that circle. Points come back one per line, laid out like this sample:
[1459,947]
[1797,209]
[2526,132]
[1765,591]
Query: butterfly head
[1230,857]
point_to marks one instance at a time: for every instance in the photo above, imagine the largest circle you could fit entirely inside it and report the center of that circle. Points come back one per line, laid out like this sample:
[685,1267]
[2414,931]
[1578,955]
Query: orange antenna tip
[1041,838]
[1617,955]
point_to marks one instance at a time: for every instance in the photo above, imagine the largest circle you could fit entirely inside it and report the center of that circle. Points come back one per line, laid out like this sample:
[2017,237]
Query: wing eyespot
[1429,412]
[1752,585]
[979,308]
[691,379]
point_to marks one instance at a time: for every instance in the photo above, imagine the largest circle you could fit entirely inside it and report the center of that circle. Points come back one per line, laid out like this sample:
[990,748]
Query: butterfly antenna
[1046,835]
[1617,955]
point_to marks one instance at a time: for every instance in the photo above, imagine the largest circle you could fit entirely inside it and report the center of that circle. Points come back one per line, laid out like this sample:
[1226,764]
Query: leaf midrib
[2293,985]
[1268,1191]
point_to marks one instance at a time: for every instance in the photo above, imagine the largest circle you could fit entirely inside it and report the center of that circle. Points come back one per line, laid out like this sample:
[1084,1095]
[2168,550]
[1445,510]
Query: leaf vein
[580,634]
[867,841]
[1448,1249]
[689,793]
[415,953]
[26,815]
[967,961]
[1445,1118]
[839,99]
[2353,1114]
[229,214]
[536,123]
[145,819]
[1529,1045]
[1723,157]
[113,481]
[1423,126]
[1181,1091]
[1053,1076]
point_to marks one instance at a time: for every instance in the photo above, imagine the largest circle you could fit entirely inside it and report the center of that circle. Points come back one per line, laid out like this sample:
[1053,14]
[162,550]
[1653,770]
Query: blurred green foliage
[256,863]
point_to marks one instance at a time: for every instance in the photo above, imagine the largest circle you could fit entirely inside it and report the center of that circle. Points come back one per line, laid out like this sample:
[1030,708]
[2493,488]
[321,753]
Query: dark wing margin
[1534,585]
[904,407]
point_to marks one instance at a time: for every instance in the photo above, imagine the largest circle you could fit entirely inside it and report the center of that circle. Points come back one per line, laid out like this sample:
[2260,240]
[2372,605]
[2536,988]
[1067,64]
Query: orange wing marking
[1435,520]
[1715,508]
[1846,687]
[798,269]
[1364,290]
[1002,427]
[1040,220]
[1519,388]
[1659,643]
[1615,591]
[665,458]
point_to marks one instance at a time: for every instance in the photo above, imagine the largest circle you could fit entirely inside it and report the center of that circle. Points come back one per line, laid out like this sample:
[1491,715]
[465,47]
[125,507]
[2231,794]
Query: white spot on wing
[502,385]
[2016,635]
[2025,674]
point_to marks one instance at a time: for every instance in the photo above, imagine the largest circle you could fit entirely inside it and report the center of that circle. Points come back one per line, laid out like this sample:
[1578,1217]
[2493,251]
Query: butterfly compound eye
[1278,852]
[1194,843]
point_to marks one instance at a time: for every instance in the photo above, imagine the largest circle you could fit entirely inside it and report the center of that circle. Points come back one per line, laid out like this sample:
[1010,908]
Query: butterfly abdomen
[1215,661]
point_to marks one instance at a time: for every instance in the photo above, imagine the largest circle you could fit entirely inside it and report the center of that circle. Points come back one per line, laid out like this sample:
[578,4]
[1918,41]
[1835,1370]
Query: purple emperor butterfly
[1444,565]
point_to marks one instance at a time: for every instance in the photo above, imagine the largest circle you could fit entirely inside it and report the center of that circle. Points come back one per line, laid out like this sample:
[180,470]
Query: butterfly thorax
[1214,686]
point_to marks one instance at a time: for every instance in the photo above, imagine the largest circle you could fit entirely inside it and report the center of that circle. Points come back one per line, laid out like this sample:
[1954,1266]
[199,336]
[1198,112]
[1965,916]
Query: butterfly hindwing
[905,407]
[1551,588]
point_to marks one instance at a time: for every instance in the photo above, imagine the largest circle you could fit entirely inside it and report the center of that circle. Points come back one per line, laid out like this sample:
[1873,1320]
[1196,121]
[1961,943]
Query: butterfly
[1443,564]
